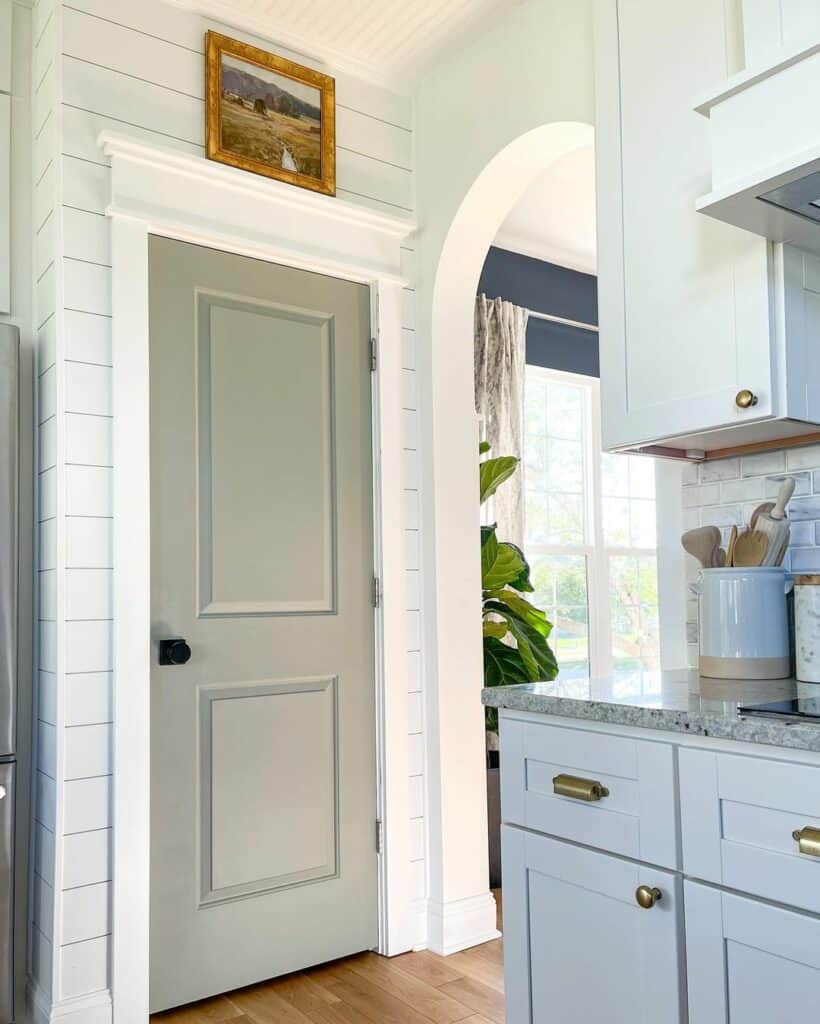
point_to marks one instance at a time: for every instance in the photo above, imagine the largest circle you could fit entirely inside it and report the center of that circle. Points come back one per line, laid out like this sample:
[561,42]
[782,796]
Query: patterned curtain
[500,335]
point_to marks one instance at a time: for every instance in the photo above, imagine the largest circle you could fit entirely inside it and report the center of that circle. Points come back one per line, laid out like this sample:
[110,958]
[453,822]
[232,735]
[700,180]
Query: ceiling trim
[334,58]
[545,252]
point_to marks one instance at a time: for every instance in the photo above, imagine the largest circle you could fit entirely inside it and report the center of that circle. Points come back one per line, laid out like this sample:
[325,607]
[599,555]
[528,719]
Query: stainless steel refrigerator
[9,569]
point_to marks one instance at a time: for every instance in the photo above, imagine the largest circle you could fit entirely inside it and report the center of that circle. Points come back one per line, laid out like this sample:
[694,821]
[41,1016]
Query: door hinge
[377,592]
[373,354]
[379,835]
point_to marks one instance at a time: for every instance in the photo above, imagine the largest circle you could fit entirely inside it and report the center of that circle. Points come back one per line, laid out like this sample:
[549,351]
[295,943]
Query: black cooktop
[807,708]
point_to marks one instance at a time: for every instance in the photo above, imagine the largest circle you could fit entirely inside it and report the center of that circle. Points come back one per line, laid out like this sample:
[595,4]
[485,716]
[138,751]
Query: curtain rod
[563,320]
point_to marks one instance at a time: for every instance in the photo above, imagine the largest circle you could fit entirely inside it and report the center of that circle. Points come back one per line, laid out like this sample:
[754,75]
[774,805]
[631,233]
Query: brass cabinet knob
[745,399]
[647,896]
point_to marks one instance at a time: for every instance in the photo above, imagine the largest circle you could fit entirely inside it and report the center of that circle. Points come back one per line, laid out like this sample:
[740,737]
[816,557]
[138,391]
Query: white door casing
[193,199]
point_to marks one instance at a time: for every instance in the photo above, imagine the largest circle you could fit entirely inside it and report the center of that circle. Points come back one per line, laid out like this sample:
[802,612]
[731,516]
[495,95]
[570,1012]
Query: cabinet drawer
[738,816]
[636,816]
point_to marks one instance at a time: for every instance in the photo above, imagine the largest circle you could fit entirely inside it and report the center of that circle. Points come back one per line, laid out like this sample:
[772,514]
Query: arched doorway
[462,911]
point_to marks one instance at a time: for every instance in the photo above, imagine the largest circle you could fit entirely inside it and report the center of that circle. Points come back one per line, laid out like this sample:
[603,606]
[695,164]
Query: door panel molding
[326,724]
[192,199]
[322,544]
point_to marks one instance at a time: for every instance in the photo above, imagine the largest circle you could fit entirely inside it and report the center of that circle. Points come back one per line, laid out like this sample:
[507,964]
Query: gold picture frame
[261,115]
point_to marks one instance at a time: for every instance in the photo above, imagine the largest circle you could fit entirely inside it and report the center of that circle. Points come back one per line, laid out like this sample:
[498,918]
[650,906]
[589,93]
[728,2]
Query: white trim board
[196,200]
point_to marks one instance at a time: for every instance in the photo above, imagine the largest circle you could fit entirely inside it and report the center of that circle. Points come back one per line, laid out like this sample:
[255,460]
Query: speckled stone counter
[673,701]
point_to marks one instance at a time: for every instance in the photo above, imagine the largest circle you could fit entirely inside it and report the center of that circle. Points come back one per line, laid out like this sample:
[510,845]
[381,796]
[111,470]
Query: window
[590,528]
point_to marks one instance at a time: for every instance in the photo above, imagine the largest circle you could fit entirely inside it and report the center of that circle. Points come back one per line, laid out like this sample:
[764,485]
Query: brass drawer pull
[808,840]
[579,789]
[646,896]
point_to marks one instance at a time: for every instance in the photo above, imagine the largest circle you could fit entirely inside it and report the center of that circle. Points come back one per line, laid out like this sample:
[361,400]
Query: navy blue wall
[547,288]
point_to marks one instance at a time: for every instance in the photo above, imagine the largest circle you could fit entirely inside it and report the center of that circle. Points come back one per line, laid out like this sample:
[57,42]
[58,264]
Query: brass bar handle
[579,789]
[808,840]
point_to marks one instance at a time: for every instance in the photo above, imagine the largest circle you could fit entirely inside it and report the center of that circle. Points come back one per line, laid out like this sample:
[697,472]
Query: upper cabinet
[705,328]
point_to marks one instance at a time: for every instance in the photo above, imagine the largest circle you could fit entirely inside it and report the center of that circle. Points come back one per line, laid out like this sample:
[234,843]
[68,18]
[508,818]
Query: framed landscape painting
[268,115]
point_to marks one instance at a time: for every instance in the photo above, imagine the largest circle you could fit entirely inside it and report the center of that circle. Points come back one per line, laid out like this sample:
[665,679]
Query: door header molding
[195,200]
[184,195]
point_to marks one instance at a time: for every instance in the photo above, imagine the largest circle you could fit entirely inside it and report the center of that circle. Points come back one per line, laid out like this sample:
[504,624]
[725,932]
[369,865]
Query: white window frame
[596,551]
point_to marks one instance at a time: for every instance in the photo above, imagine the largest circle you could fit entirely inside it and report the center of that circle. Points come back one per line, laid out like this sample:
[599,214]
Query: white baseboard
[459,924]
[95,1008]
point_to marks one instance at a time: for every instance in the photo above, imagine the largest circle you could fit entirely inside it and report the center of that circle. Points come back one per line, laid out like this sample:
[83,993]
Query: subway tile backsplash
[725,492]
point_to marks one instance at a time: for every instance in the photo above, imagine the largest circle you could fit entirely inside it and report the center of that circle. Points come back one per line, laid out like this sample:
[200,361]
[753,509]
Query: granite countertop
[679,701]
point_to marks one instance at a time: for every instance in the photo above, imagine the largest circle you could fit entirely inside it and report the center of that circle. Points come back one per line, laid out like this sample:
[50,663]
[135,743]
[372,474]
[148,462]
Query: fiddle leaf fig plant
[515,631]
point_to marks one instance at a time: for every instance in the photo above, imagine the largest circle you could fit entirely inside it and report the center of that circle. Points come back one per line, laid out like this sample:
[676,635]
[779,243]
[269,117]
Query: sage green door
[263,791]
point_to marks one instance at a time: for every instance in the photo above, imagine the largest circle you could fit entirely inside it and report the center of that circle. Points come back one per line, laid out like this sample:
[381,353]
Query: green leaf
[521,607]
[483,447]
[498,571]
[498,630]
[536,653]
[502,664]
[523,582]
[493,473]
[489,550]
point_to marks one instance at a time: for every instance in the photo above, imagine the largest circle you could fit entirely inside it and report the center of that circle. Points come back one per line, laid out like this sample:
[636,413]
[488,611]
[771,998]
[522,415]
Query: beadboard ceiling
[389,40]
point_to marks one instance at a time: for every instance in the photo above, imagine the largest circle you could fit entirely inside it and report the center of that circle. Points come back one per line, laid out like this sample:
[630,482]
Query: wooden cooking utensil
[761,510]
[750,548]
[719,558]
[730,547]
[781,554]
[702,543]
[774,525]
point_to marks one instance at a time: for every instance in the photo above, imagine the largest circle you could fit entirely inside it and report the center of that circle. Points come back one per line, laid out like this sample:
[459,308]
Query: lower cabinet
[749,961]
[578,946]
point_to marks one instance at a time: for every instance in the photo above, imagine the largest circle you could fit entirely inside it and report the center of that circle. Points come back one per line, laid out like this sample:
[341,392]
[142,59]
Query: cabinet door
[749,961]
[577,947]
[683,299]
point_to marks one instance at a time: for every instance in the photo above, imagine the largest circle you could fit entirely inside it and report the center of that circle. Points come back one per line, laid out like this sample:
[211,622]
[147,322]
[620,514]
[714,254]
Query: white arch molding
[461,910]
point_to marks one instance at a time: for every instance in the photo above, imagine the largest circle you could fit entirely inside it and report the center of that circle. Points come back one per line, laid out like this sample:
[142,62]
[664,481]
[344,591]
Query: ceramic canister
[743,623]
[807,628]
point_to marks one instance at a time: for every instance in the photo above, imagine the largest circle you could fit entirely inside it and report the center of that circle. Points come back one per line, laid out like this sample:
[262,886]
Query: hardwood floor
[415,988]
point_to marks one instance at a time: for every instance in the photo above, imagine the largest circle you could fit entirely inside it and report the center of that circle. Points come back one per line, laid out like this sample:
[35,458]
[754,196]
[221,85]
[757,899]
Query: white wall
[138,68]
[531,67]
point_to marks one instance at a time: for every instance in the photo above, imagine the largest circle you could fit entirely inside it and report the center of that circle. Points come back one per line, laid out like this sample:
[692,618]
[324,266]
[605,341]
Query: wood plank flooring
[415,988]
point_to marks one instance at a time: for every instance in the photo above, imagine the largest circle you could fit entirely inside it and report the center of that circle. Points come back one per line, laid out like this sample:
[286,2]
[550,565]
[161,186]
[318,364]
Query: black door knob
[174,651]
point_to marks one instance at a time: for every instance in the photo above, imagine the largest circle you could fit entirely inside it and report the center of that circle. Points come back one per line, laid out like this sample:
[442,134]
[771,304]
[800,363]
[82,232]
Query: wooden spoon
[702,543]
[750,548]
[761,510]
[730,547]
[774,525]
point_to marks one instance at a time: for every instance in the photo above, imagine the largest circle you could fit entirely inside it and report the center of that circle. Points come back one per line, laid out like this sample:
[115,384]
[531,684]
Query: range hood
[765,139]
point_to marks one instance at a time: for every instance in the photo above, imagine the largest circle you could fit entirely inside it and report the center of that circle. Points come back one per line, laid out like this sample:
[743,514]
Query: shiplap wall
[138,68]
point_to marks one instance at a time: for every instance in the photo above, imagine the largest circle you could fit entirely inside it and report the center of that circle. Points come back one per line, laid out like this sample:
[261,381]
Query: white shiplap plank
[46,295]
[88,388]
[87,594]
[43,851]
[87,337]
[414,671]
[163,21]
[87,287]
[45,196]
[411,510]
[48,599]
[410,470]
[43,906]
[45,803]
[87,753]
[88,647]
[47,699]
[44,99]
[48,544]
[48,493]
[88,491]
[86,913]
[46,749]
[47,345]
[412,556]
[88,440]
[87,858]
[48,443]
[87,805]
[89,542]
[84,968]
[88,698]
[412,590]
[44,245]
[86,186]
[86,236]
